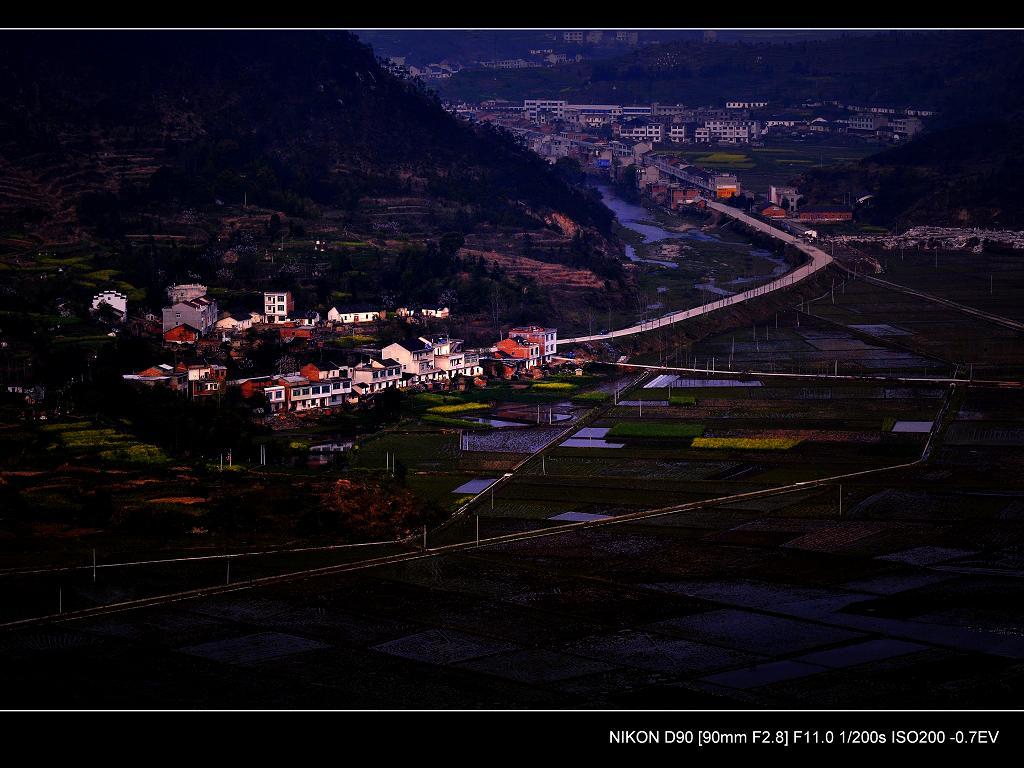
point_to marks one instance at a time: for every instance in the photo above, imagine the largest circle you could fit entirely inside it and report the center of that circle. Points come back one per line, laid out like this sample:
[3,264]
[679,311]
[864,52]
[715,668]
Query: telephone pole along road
[819,260]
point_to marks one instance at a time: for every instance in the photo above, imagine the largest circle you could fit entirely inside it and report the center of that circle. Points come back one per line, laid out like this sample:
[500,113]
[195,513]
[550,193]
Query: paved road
[819,260]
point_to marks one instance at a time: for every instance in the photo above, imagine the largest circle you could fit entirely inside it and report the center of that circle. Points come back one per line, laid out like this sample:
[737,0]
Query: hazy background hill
[922,68]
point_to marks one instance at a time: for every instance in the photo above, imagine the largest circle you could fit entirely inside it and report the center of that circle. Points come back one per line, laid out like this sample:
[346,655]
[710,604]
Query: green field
[655,429]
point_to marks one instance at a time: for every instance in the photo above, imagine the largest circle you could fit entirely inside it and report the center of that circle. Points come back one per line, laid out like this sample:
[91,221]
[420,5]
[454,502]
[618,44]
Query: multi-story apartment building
[277,306]
[677,133]
[640,130]
[534,109]
[745,104]
[732,131]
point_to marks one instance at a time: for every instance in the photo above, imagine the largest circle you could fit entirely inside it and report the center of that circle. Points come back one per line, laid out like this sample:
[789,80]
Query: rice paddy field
[990,281]
[925,328]
[896,588]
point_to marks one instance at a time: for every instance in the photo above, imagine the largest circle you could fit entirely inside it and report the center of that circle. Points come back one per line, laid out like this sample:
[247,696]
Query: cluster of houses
[419,362]
[192,315]
[555,128]
[738,122]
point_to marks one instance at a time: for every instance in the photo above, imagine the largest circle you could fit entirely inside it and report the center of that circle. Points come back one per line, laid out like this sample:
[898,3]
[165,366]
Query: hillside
[965,170]
[95,127]
[908,67]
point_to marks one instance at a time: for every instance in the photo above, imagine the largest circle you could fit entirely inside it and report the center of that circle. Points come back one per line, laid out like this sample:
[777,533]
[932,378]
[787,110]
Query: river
[636,218]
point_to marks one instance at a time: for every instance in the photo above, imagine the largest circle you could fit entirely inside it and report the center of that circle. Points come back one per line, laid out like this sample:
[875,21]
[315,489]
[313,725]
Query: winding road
[819,260]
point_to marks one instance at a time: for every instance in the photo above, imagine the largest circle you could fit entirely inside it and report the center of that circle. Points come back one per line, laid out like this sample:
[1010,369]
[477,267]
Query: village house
[160,375]
[432,358]
[197,379]
[182,334]
[421,311]
[451,360]
[116,300]
[200,313]
[300,391]
[528,353]
[415,356]
[277,306]
[771,211]
[825,213]
[373,375]
[236,320]
[204,379]
[545,338]
[785,197]
[305,394]
[356,314]
[308,319]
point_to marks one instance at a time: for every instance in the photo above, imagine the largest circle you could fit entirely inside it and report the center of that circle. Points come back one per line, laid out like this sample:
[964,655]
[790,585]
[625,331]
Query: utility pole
[227,578]
[94,566]
[424,536]
[840,499]
[478,530]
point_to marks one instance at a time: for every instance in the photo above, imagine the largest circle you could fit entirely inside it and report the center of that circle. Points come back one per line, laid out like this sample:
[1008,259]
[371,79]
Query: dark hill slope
[96,124]
[967,169]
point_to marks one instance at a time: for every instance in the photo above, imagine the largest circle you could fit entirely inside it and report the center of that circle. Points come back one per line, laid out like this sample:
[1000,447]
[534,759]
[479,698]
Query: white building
[745,104]
[677,133]
[375,375]
[431,358]
[113,299]
[642,130]
[277,306]
[355,315]
[551,108]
